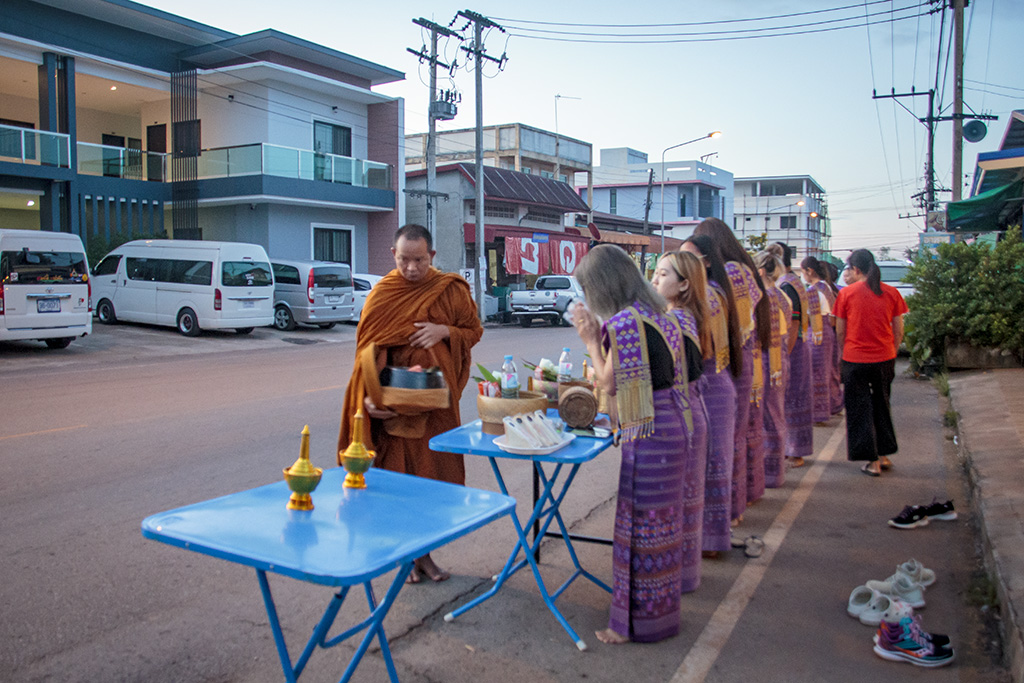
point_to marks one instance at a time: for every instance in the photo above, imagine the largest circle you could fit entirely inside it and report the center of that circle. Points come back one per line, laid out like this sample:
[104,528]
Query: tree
[757,242]
[885,254]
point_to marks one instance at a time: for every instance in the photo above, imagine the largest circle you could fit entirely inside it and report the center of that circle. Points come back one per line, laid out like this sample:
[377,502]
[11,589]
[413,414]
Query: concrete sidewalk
[990,420]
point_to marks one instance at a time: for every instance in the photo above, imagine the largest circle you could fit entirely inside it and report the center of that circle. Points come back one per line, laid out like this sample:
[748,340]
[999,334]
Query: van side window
[141,269]
[246,274]
[286,275]
[108,266]
[191,272]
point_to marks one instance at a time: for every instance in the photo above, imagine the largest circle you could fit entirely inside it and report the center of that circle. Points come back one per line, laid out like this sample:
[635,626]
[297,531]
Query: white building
[790,209]
[683,193]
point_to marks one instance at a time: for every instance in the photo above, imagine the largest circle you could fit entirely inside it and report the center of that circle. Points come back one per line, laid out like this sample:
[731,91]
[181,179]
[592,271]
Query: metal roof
[500,183]
[1013,138]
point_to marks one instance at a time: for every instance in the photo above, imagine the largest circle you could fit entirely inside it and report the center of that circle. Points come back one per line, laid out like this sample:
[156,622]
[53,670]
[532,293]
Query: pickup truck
[550,298]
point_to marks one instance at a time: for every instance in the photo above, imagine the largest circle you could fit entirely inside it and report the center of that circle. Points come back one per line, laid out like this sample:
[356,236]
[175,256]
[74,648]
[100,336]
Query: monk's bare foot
[427,566]
[709,554]
[414,576]
[611,637]
[885,463]
[796,462]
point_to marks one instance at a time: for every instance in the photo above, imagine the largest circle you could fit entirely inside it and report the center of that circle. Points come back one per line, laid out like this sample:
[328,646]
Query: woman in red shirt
[869,328]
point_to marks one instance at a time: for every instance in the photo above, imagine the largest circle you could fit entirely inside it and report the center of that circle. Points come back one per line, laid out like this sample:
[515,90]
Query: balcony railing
[121,162]
[288,162]
[37,147]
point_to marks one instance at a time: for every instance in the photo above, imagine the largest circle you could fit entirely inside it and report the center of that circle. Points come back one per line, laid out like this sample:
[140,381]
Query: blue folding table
[470,439]
[351,537]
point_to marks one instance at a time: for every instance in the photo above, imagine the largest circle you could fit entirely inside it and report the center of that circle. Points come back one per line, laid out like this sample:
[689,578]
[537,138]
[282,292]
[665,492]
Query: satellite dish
[974,131]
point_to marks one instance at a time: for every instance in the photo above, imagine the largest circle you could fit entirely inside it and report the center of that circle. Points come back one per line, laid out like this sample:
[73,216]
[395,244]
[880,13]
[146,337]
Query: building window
[545,217]
[787,222]
[547,174]
[682,204]
[495,210]
[332,245]
[527,170]
[613,201]
[564,178]
[331,139]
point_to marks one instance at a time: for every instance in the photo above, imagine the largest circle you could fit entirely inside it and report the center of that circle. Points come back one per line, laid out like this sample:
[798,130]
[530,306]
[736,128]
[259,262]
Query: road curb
[992,449]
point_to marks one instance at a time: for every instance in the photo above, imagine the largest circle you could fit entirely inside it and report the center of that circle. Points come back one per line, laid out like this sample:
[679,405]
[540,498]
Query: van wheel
[327,326]
[105,312]
[59,343]
[244,330]
[188,324]
[525,322]
[283,319]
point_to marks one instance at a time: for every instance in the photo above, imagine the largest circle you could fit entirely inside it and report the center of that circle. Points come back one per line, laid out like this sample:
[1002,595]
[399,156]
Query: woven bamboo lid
[577,406]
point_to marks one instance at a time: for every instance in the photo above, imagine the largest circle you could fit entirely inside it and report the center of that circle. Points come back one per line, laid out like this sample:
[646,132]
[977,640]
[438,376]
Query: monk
[416,315]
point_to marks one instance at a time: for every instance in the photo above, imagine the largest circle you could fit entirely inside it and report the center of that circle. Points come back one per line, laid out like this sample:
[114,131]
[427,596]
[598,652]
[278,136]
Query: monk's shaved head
[414,231]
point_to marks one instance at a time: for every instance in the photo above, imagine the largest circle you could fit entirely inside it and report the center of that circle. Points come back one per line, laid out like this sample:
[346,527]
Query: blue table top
[352,535]
[470,439]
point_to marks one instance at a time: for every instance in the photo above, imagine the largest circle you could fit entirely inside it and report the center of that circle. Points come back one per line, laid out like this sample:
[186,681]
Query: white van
[44,287]
[188,284]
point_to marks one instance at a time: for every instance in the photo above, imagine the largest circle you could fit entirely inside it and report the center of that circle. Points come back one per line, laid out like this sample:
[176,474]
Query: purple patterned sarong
[652,542]
[755,445]
[693,493]
[800,426]
[774,431]
[821,361]
[739,463]
[836,391]
[719,394]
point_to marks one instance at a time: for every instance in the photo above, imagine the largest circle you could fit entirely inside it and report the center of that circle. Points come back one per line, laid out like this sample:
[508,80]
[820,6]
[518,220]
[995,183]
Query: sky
[795,104]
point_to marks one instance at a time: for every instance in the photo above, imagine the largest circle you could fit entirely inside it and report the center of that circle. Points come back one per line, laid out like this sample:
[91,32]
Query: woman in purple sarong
[823,352]
[748,294]
[799,422]
[769,268]
[640,358]
[719,394]
[679,277]
[836,385]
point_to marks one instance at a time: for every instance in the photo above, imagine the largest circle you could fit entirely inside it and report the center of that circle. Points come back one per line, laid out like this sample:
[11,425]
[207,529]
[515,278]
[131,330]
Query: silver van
[45,290]
[311,292]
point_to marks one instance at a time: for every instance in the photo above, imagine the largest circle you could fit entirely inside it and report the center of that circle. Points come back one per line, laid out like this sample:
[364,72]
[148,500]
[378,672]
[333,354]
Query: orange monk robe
[392,307]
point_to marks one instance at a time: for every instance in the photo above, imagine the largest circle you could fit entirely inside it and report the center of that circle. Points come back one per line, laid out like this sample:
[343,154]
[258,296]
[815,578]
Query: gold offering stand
[356,459]
[302,477]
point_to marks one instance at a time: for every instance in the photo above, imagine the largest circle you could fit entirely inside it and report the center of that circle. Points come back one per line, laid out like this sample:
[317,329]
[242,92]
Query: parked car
[188,284]
[551,299]
[362,283]
[45,291]
[312,293]
[893,273]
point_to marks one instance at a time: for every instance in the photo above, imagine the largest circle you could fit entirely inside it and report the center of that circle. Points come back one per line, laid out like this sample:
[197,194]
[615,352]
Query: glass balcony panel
[344,170]
[378,175]
[280,161]
[306,164]
[38,147]
[213,163]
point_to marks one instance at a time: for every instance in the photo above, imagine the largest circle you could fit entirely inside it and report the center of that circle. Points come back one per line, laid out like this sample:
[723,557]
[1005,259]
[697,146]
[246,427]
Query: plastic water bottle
[509,379]
[565,366]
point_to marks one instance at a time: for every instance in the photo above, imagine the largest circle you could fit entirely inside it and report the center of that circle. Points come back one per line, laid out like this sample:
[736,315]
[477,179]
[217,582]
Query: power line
[718,39]
[690,23]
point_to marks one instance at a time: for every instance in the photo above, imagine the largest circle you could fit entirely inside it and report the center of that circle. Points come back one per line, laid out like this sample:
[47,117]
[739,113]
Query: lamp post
[664,175]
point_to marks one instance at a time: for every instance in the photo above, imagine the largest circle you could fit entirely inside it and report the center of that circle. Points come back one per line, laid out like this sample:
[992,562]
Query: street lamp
[664,174]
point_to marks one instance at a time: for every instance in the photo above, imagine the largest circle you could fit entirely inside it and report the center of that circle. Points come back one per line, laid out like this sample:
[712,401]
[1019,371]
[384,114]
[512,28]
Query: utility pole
[958,98]
[480,22]
[434,111]
[647,224]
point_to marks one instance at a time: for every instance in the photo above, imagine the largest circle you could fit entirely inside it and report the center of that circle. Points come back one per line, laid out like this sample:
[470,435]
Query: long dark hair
[731,250]
[716,271]
[833,276]
[864,261]
[815,266]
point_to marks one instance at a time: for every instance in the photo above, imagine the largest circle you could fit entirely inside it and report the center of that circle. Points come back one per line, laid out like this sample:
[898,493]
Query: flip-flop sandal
[868,472]
[737,542]
[753,546]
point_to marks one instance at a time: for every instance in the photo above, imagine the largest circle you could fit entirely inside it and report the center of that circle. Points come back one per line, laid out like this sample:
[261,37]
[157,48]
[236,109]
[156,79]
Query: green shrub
[969,293]
[98,246]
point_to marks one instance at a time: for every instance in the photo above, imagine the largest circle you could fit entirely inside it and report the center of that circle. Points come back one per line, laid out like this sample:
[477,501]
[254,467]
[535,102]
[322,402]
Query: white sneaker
[879,605]
[860,598]
[897,611]
[902,587]
[916,572]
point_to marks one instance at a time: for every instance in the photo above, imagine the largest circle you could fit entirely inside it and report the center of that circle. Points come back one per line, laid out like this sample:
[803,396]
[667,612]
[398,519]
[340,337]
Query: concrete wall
[93,124]
[19,109]
[19,219]
[386,133]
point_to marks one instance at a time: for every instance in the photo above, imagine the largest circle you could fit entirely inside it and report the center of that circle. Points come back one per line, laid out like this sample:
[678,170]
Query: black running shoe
[937,510]
[912,517]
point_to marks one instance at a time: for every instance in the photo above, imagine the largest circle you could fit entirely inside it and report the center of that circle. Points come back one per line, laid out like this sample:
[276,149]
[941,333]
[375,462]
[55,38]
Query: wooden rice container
[492,409]
[577,406]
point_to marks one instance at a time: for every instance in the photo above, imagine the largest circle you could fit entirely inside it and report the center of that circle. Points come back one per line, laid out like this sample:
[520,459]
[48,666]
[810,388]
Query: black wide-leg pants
[869,429]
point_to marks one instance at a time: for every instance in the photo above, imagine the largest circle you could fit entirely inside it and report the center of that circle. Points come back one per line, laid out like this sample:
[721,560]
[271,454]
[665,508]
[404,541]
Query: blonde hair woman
[775,361]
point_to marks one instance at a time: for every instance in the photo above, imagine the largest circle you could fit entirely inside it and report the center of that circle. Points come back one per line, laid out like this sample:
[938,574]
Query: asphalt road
[135,420]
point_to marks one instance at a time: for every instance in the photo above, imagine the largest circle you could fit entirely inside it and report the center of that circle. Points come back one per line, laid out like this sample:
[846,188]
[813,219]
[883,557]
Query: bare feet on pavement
[611,637]
[425,566]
